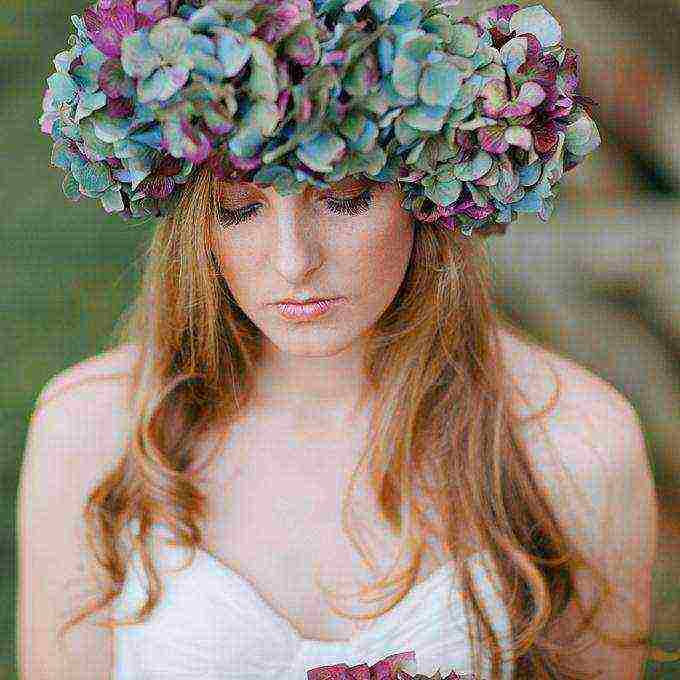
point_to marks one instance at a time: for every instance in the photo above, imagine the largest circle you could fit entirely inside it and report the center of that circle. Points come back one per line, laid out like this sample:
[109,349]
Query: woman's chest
[275,517]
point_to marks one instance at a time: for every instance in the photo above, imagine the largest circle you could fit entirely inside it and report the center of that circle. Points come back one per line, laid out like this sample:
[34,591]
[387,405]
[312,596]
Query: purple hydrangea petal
[154,9]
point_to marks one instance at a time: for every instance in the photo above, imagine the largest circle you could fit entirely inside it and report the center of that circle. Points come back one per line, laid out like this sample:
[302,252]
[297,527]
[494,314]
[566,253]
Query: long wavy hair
[444,411]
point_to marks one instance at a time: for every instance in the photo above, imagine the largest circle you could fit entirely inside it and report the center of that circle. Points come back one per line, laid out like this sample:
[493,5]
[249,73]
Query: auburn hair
[444,422]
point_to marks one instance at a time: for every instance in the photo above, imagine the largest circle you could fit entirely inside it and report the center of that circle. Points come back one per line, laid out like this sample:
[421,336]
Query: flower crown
[478,118]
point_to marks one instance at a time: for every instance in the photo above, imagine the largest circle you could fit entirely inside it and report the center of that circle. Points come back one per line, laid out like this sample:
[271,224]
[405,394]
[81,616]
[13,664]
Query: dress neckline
[286,625]
[290,628]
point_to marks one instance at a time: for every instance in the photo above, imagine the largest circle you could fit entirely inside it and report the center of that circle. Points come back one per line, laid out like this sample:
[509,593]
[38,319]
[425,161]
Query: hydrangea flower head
[477,117]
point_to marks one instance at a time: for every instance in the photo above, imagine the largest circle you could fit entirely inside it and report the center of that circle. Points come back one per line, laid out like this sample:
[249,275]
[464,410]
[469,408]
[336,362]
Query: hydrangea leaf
[69,186]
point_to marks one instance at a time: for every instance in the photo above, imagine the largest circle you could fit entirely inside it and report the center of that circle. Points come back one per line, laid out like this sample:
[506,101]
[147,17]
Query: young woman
[198,486]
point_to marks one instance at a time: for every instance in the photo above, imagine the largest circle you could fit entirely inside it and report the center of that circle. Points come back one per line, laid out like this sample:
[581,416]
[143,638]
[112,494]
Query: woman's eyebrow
[239,191]
[349,185]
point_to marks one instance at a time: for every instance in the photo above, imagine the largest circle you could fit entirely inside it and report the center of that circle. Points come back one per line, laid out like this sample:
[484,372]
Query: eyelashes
[350,206]
[339,206]
[230,218]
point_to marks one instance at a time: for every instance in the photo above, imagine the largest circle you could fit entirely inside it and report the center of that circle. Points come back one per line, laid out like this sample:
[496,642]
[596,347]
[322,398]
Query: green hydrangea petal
[384,9]
[61,156]
[112,200]
[444,193]
[62,86]
[441,25]
[366,143]
[264,116]
[137,55]
[439,84]
[406,76]
[110,129]
[233,51]
[97,149]
[205,18]
[464,40]
[353,126]
[93,178]
[582,136]
[262,81]
[467,92]
[404,132]
[89,103]
[539,22]
[321,151]
[162,84]
[244,25]
[168,37]
[424,117]
[477,166]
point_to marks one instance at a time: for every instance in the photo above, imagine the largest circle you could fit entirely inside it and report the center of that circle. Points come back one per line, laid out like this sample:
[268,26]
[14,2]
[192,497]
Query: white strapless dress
[213,625]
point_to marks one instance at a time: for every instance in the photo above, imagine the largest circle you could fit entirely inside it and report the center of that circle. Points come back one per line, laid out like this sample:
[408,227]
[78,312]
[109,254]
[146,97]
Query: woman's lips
[310,310]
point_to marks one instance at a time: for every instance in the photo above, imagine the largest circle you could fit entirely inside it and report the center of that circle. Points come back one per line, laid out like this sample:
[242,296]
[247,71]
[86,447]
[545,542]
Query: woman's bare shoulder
[87,406]
[106,372]
[549,379]
[589,445]
[589,455]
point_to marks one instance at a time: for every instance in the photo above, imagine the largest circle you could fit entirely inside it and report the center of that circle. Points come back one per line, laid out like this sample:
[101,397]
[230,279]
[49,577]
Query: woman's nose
[294,244]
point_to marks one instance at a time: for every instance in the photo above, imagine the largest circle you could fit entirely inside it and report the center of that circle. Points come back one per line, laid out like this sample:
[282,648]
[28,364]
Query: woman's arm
[75,434]
[600,484]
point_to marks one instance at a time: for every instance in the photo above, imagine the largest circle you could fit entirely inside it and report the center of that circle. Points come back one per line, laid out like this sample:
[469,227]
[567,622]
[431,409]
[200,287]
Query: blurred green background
[599,283]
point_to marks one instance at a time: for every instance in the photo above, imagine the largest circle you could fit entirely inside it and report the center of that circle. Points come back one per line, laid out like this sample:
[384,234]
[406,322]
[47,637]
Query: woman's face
[353,240]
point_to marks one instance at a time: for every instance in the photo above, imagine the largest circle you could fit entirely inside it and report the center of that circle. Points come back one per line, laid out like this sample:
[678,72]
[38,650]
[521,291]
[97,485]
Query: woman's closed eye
[230,218]
[340,206]
[350,206]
